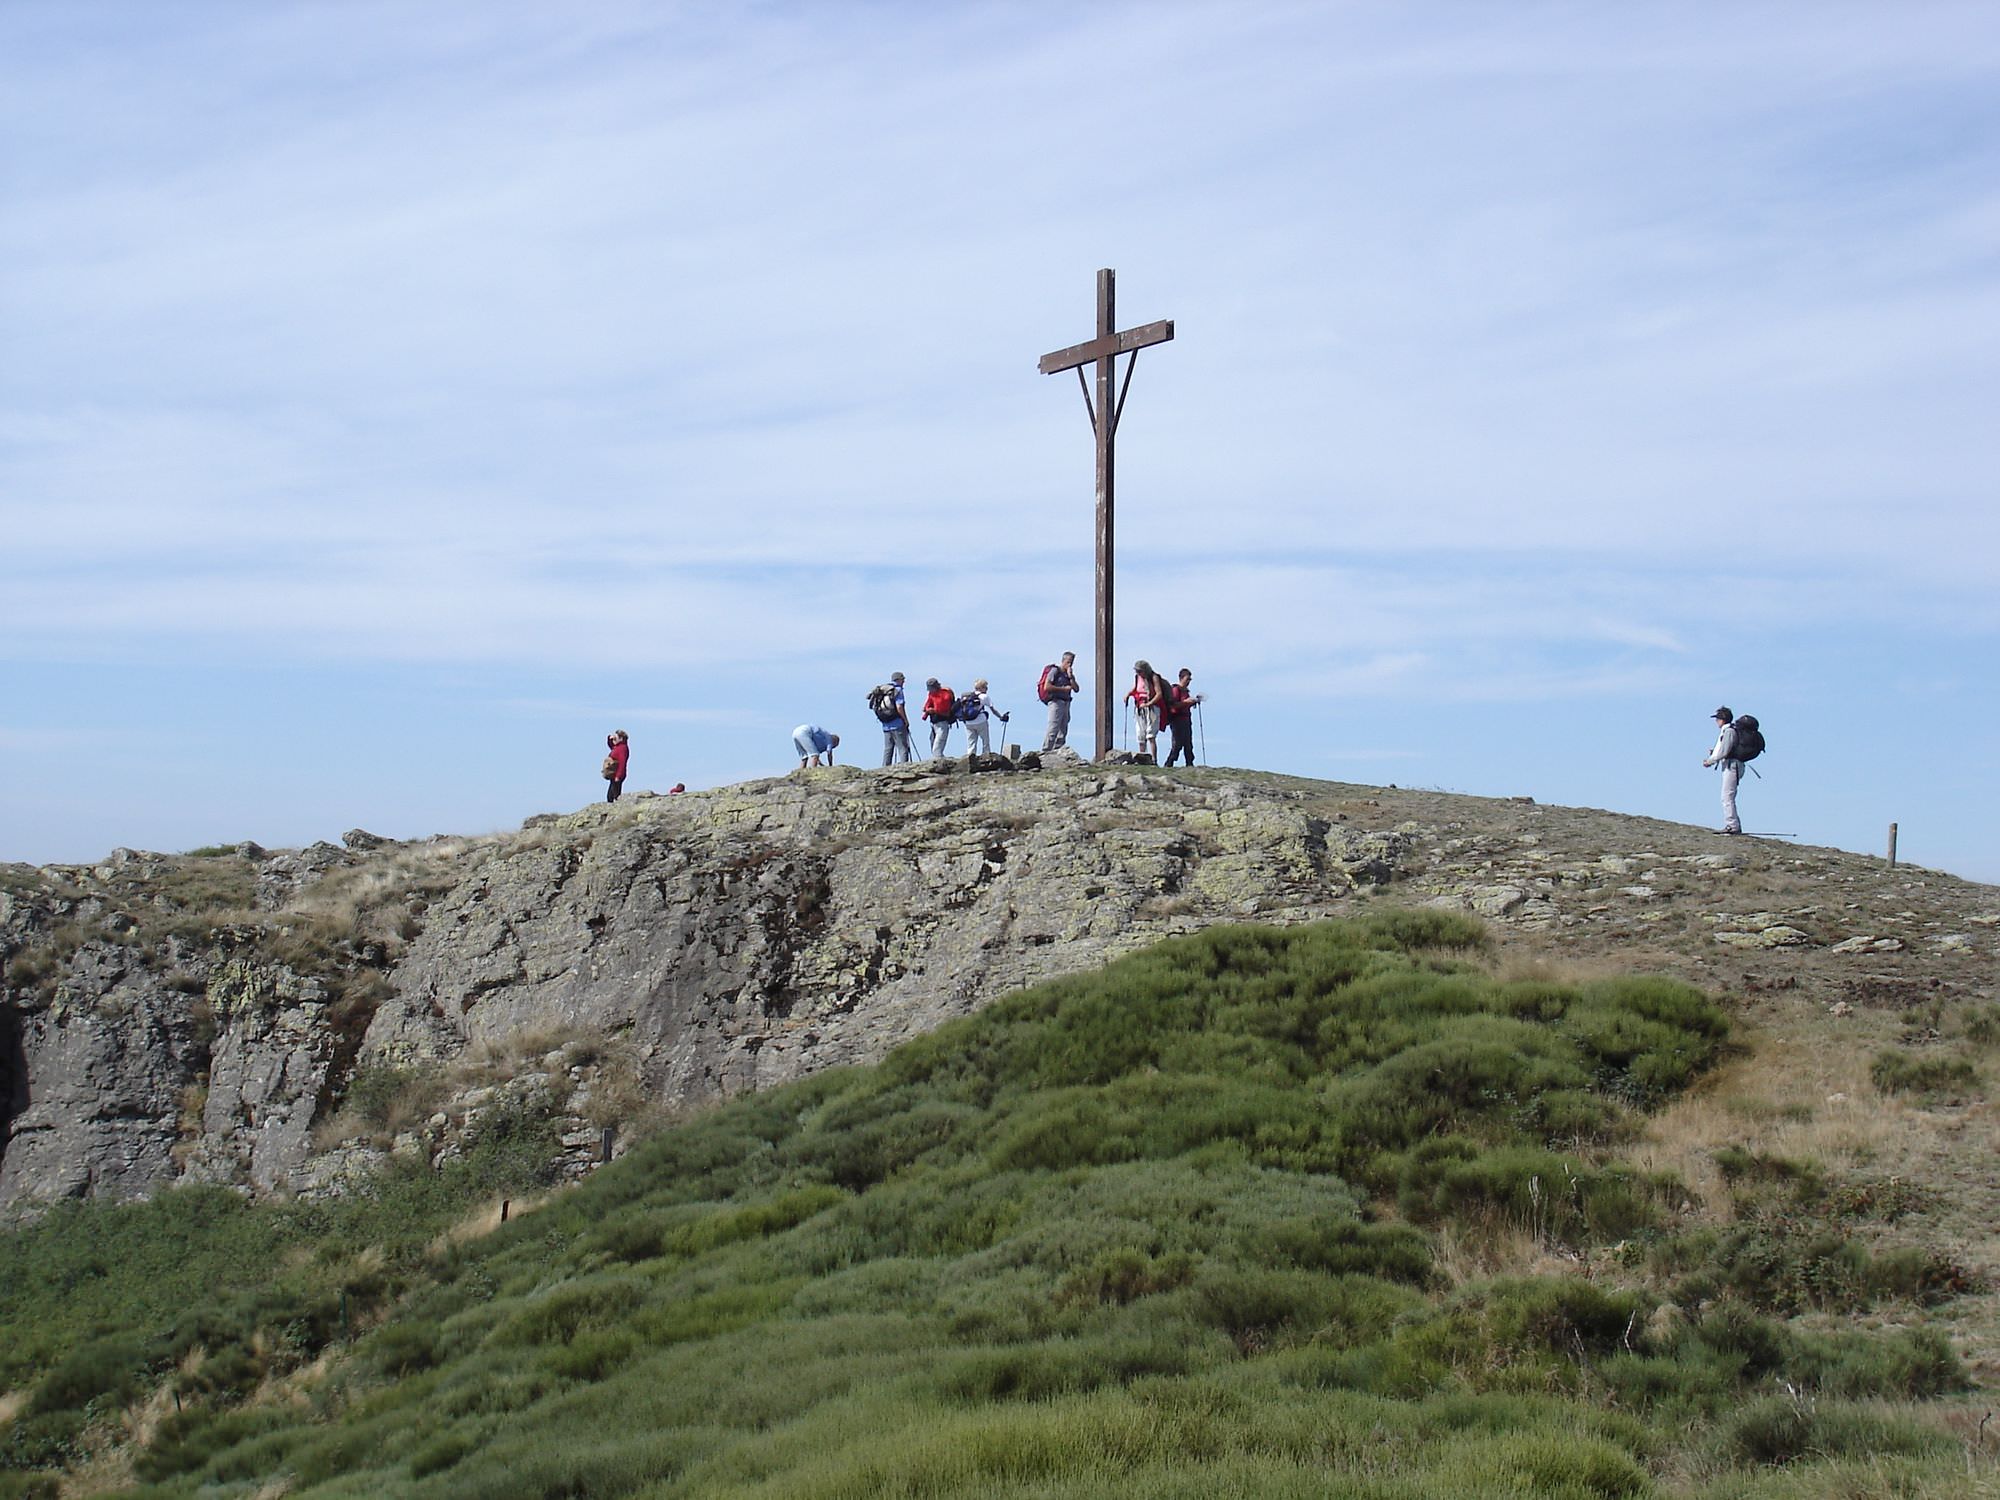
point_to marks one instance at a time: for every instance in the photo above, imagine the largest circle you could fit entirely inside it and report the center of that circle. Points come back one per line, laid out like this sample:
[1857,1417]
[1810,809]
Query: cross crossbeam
[1103,351]
[1118,343]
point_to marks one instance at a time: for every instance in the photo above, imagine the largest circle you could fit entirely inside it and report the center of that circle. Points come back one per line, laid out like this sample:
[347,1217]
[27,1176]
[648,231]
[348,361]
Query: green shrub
[108,1370]
[405,1346]
[49,1440]
[1777,1430]
[381,1095]
[443,1451]
[188,1441]
[1897,1072]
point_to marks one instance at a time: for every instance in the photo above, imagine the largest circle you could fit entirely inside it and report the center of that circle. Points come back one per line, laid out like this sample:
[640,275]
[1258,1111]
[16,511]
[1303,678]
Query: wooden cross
[1103,351]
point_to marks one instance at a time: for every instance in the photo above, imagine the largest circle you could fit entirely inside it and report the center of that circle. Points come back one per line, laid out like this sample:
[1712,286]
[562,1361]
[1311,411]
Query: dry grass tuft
[11,1403]
[1502,1248]
[1791,1096]
[482,1221]
[143,1420]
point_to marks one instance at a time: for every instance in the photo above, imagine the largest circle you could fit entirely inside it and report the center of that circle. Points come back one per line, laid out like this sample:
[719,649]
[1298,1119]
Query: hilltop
[287,1020]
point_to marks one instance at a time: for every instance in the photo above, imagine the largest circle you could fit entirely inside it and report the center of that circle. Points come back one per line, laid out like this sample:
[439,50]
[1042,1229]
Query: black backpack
[1749,739]
[883,701]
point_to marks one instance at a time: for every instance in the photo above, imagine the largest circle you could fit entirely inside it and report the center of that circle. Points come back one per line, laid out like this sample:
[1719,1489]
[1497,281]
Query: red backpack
[939,704]
[1042,687]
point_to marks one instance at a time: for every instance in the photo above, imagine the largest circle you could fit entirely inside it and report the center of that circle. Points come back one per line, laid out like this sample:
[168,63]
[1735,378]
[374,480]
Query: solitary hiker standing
[1724,755]
[977,710]
[812,742]
[615,764]
[1057,687]
[1177,710]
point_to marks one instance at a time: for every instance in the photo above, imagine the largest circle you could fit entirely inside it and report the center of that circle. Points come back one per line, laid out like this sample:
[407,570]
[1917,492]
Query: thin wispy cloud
[1524,353]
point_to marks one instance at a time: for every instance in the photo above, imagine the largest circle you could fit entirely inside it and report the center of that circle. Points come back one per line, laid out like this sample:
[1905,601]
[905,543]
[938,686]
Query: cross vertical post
[1107,455]
[1103,351]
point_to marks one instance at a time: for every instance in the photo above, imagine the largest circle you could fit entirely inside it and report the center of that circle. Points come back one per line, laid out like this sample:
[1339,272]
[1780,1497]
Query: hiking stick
[1202,725]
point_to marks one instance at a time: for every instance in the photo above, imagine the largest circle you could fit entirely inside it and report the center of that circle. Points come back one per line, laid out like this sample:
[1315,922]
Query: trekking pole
[1125,728]
[1202,725]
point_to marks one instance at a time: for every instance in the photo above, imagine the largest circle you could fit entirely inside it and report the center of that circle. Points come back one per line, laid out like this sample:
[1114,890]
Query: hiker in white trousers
[1724,755]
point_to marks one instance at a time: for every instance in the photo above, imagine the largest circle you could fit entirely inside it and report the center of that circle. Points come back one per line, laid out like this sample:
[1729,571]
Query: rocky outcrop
[752,935]
[100,1079]
[269,1075]
[221,1017]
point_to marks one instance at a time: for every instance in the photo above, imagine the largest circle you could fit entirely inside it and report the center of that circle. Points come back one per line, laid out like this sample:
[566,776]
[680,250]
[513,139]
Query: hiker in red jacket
[615,762]
[941,712]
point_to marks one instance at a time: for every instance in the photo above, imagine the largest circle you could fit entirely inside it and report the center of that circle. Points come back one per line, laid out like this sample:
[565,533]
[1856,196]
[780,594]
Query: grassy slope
[1219,1220]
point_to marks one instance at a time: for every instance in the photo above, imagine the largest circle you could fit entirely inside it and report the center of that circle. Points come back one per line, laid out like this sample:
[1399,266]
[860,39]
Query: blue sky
[394,398]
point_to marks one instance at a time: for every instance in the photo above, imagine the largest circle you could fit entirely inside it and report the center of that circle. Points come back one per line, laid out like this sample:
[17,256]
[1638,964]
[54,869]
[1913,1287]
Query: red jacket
[1174,707]
[620,753]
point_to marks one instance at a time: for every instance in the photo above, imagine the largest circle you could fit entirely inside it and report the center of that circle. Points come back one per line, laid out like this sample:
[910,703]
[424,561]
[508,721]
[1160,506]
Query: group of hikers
[1159,704]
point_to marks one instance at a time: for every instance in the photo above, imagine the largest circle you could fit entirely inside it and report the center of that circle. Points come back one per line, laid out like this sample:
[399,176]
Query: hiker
[615,764]
[975,711]
[940,712]
[886,702]
[1057,687]
[812,742]
[1177,713]
[1148,696]
[1724,755]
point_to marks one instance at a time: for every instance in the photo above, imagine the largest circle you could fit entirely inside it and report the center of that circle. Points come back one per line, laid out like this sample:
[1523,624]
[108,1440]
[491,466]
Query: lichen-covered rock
[744,937]
[268,1076]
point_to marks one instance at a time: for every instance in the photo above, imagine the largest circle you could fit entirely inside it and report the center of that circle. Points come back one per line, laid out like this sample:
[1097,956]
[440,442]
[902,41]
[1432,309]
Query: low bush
[1930,1077]
[1779,1430]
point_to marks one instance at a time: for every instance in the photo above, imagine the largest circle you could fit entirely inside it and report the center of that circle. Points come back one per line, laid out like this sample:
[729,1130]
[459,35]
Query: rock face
[269,1072]
[228,1017]
[97,1082]
[749,936]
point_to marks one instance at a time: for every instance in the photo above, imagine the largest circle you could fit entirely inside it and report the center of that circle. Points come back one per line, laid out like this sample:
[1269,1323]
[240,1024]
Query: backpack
[1042,687]
[967,708]
[882,700]
[1749,739]
[940,705]
[610,768]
